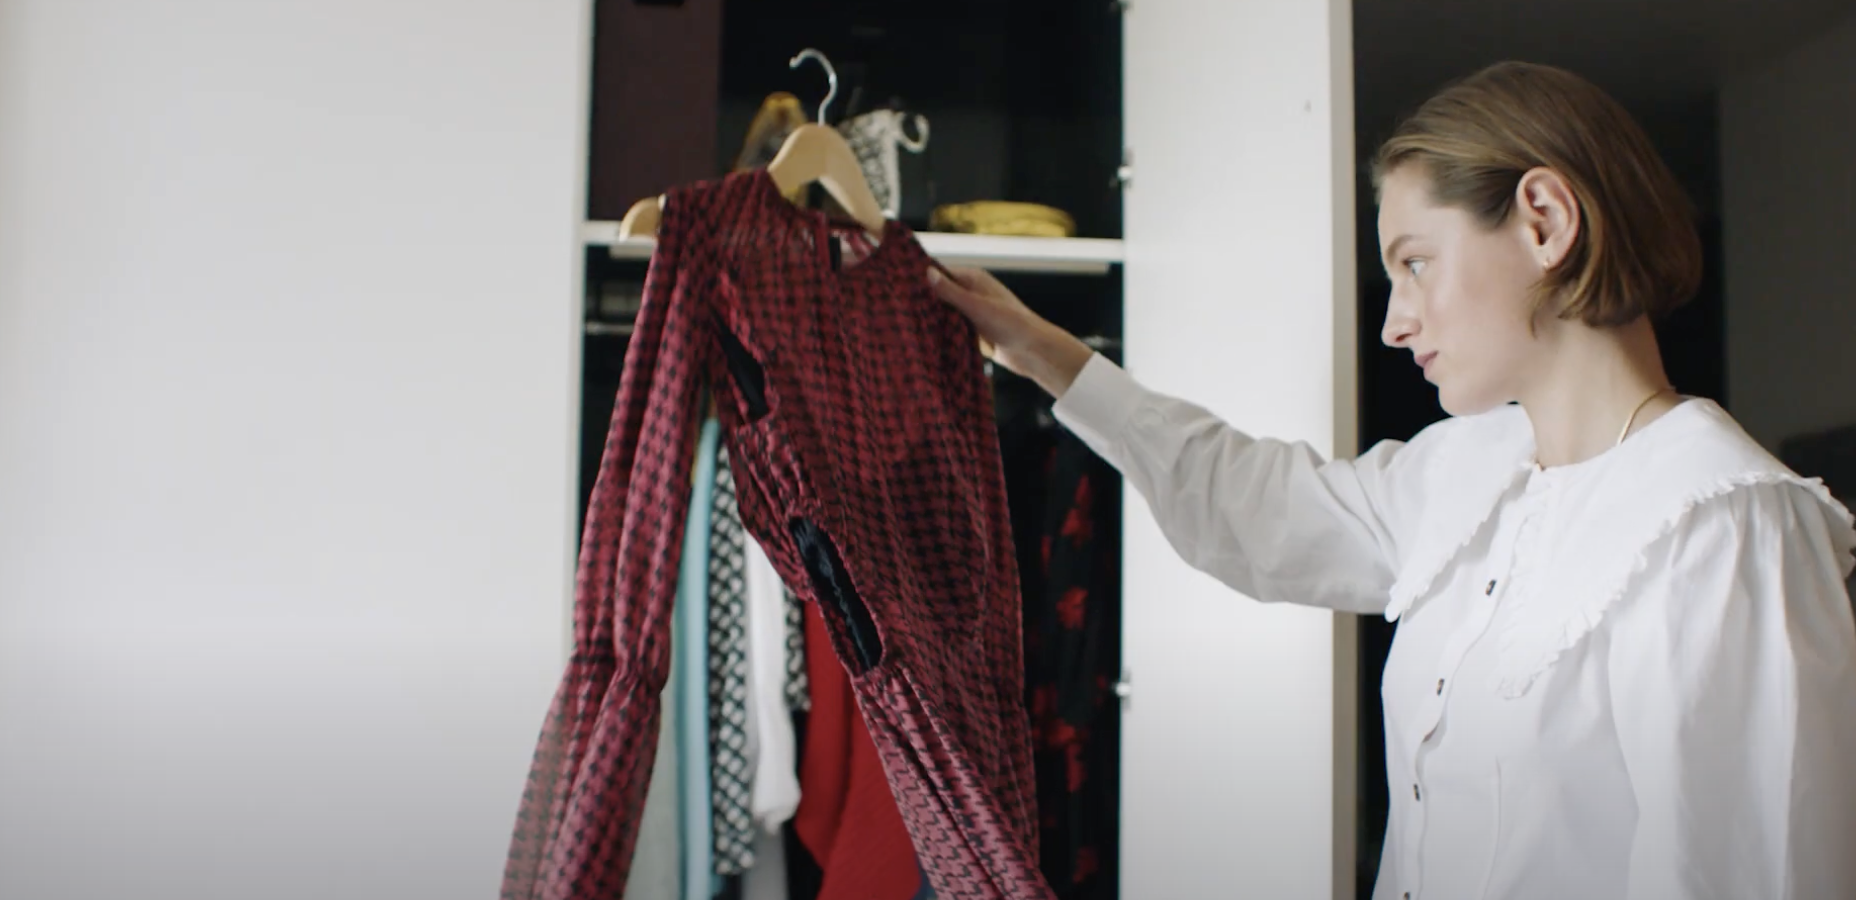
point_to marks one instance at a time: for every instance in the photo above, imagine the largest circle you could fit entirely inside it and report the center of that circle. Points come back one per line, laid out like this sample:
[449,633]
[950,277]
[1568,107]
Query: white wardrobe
[1239,738]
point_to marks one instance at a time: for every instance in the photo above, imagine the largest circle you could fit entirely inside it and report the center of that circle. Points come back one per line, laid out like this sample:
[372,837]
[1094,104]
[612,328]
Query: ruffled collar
[1625,499]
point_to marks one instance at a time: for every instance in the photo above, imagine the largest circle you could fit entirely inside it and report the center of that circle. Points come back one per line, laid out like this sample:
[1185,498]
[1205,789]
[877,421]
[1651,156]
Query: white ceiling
[1648,53]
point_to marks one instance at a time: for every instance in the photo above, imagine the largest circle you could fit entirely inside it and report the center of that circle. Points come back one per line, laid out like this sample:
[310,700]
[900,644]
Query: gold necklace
[1633,413]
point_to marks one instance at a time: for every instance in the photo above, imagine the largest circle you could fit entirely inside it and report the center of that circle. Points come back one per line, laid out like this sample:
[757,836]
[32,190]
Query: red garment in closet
[847,817]
[867,465]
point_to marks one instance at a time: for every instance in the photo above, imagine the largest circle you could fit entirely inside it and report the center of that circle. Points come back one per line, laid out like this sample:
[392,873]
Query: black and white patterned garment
[877,139]
[798,688]
[731,777]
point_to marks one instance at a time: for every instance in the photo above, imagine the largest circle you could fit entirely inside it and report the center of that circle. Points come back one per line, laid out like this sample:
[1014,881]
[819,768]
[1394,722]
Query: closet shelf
[1077,256]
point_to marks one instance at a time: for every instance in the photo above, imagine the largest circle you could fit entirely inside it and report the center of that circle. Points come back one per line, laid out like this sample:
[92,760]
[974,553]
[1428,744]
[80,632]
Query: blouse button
[1416,795]
[1490,590]
[1440,687]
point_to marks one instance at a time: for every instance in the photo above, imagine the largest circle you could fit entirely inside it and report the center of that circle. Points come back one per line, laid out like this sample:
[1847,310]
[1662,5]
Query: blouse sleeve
[1269,518]
[1735,700]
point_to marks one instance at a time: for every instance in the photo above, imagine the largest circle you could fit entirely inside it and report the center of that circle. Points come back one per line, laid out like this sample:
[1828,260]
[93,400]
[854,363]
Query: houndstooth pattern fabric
[874,423]
[731,780]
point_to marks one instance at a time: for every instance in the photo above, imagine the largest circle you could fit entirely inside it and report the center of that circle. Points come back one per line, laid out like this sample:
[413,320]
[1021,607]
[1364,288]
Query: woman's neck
[1596,380]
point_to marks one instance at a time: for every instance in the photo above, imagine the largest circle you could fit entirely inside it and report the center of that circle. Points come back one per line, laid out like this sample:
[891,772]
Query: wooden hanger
[819,154]
[642,219]
[813,153]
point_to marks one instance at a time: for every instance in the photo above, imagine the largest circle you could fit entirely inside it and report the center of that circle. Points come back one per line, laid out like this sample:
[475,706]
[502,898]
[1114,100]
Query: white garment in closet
[771,742]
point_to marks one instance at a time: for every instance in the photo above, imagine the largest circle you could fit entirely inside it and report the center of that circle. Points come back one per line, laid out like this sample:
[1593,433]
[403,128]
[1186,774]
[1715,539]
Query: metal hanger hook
[831,75]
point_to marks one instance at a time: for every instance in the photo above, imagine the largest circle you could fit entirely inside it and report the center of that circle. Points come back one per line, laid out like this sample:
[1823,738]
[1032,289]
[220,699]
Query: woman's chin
[1459,402]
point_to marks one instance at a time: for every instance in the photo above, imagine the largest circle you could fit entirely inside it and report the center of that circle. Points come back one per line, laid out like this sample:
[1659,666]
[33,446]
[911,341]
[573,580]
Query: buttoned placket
[1529,509]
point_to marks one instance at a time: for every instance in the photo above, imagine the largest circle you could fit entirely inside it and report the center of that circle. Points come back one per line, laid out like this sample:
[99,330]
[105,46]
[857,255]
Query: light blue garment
[689,659]
[657,863]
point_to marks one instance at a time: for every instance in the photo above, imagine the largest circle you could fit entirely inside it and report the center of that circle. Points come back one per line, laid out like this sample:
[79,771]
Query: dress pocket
[747,372]
[846,615]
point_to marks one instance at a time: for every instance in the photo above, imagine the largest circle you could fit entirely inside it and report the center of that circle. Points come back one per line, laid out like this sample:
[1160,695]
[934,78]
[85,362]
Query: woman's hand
[1022,341]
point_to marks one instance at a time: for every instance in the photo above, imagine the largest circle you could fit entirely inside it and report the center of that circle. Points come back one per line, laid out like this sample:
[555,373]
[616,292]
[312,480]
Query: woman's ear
[1549,212]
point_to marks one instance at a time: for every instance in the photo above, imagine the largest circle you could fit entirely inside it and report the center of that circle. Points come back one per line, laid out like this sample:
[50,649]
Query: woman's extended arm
[1271,519]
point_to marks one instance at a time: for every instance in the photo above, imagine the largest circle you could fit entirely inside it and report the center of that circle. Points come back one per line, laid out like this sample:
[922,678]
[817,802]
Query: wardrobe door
[1238,735]
[656,71]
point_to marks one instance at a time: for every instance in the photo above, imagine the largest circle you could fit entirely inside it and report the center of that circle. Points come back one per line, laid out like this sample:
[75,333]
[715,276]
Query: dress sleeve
[577,824]
[1735,701]
[1269,518]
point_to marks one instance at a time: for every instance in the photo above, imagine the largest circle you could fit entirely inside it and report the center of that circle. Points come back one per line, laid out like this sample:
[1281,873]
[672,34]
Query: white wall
[287,349]
[1788,178]
[1239,736]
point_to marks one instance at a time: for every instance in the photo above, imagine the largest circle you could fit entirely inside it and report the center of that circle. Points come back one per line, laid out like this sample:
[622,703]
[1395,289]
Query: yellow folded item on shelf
[1003,218]
[773,123]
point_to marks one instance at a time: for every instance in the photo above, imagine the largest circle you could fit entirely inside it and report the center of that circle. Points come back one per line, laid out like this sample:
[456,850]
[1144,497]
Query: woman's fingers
[952,292]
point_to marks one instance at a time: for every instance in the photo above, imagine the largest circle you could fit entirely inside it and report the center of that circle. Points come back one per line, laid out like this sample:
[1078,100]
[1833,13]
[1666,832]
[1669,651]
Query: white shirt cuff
[1099,403]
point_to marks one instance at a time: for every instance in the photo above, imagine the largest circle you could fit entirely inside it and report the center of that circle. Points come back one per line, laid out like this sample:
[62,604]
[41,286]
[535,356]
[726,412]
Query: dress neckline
[895,241]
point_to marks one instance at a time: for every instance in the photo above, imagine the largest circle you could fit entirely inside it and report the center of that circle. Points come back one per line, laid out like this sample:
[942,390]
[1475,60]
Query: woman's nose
[1400,326]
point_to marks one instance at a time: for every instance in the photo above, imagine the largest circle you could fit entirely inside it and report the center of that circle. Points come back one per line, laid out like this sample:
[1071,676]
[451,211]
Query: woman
[1627,666]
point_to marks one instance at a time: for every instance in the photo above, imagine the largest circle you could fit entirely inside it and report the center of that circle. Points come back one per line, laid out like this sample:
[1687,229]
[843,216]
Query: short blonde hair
[1637,252]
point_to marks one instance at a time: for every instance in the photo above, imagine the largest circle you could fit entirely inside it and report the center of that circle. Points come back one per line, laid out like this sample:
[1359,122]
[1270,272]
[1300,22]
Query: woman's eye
[1414,266]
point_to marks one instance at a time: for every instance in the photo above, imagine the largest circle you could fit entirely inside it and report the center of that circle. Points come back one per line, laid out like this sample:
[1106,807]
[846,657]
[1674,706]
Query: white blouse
[1630,678]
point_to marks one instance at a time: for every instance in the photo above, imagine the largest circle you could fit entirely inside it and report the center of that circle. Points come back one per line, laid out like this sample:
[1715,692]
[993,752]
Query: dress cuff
[1099,403]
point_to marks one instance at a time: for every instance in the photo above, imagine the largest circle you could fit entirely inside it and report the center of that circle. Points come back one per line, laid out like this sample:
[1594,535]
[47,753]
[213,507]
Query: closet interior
[993,130]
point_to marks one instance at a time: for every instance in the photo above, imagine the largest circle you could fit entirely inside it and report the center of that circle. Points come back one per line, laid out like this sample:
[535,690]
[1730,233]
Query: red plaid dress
[859,422]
